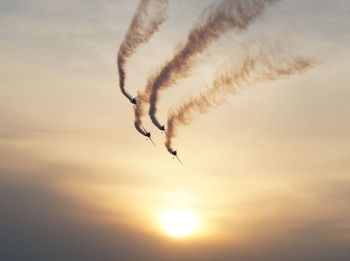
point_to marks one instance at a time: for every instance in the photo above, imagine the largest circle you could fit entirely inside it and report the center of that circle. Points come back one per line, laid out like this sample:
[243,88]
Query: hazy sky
[268,174]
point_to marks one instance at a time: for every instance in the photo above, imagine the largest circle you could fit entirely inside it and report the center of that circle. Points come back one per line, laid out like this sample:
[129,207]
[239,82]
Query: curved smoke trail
[140,107]
[268,65]
[215,21]
[150,14]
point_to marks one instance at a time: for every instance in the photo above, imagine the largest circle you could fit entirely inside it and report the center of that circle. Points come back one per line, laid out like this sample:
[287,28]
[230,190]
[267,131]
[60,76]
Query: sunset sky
[266,177]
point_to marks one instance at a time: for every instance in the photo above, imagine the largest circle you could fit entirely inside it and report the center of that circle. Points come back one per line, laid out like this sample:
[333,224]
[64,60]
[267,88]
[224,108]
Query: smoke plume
[268,64]
[150,14]
[215,21]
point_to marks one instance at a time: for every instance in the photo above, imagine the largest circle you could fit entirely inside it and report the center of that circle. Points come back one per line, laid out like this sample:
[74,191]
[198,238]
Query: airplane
[148,135]
[133,101]
[174,153]
[163,129]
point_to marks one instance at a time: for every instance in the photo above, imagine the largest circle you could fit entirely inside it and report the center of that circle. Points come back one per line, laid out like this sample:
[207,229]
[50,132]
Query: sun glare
[179,223]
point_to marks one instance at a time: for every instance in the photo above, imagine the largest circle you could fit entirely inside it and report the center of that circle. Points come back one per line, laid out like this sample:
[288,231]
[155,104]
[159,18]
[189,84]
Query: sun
[179,223]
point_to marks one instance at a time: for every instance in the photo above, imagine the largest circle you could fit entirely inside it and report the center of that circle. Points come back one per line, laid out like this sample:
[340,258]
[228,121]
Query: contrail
[150,14]
[140,109]
[214,21]
[268,64]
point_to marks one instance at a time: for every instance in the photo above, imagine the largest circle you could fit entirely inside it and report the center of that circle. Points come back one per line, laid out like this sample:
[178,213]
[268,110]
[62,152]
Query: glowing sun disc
[178,223]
